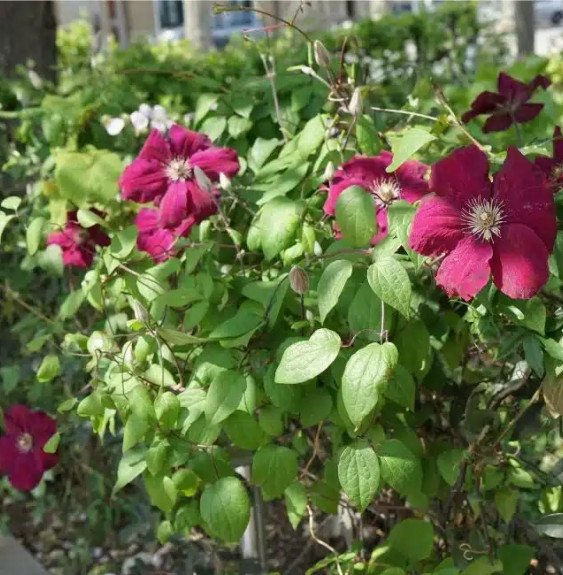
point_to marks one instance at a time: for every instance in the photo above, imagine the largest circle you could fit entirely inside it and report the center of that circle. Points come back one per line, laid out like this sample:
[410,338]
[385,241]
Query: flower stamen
[483,218]
[178,170]
[24,442]
[385,191]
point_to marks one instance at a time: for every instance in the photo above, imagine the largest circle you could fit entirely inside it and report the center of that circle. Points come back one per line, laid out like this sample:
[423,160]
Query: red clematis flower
[506,227]
[21,449]
[163,173]
[510,105]
[406,183]
[553,167]
[78,244]
[155,239]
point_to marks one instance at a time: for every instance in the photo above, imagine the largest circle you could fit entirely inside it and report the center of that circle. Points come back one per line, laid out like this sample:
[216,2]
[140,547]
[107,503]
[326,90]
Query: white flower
[114,126]
[139,120]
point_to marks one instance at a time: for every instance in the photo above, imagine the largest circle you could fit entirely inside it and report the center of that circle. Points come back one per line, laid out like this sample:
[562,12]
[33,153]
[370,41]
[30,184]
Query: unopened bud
[329,172]
[322,57]
[298,280]
[317,250]
[203,181]
[224,182]
[356,103]
[139,311]
[308,71]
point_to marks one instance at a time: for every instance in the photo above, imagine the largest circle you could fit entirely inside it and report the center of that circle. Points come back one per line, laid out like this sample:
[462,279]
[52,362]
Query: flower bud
[317,250]
[307,70]
[203,181]
[356,103]
[224,182]
[322,57]
[139,311]
[329,172]
[298,280]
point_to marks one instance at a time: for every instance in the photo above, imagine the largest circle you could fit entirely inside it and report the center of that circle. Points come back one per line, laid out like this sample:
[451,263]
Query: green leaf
[365,374]
[238,126]
[295,502]
[274,468]
[506,500]
[355,216]
[553,348]
[448,464]
[33,234]
[214,127]
[52,443]
[533,354]
[164,531]
[305,360]
[87,177]
[11,203]
[158,457]
[358,472]
[224,396]
[552,389]
[4,221]
[364,313]
[412,538]
[167,409]
[123,242]
[71,304]
[317,405]
[175,337]
[331,284]
[483,566]
[158,495]
[260,152]
[87,218]
[399,467]
[516,558]
[401,389]
[279,222]
[49,369]
[391,283]
[134,431]
[243,430]
[311,137]
[551,525]
[225,509]
[132,464]
[406,143]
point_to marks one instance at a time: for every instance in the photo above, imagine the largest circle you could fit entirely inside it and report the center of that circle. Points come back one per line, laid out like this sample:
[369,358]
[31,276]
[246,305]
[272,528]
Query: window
[171,13]
[235,19]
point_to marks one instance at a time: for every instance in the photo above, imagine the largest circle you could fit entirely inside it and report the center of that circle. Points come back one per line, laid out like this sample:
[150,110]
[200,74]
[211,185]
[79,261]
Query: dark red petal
[214,161]
[513,89]
[42,427]
[184,142]
[174,205]
[466,270]
[497,123]
[540,81]
[98,236]
[202,203]
[63,239]
[26,472]
[484,103]
[16,419]
[158,243]
[368,169]
[545,165]
[382,226]
[147,220]
[143,181]
[410,177]
[526,197]
[462,176]
[519,263]
[436,228]
[155,148]
[78,256]
[527,112]
[8,452]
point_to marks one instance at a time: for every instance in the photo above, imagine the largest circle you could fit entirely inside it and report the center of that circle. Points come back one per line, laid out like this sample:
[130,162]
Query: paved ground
[549,41]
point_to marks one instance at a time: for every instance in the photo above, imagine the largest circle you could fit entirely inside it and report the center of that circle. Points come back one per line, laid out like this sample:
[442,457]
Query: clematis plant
[22,457]
[553,167]
[509,105]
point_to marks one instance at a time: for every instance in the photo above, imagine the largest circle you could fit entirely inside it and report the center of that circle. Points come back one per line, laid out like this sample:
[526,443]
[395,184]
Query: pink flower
[510,105]
[505,227]
[163,173]
[22,457]
[78,244]
[155,239]
[406,183]
[553,167]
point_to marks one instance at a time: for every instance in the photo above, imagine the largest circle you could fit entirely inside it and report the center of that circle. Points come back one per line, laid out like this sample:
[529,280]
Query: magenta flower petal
[411,178]
[527,112]
[526,197]
[497,122]
[462,176]
[26,472]
[519,263]
[174,205]
[558,144]
[155,148]
[466,270]
[202,203]
[214,161]
[382,219]
[143,181]
[437,227]
[184,143]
